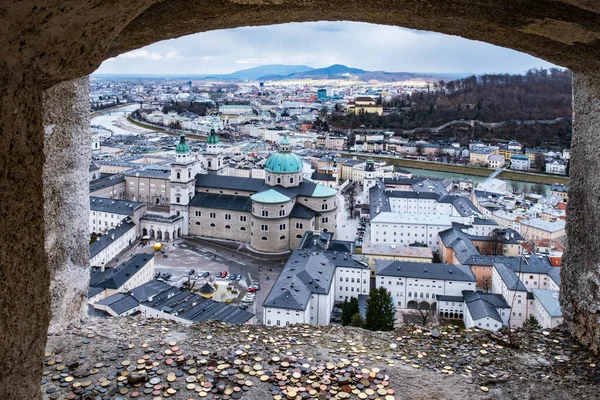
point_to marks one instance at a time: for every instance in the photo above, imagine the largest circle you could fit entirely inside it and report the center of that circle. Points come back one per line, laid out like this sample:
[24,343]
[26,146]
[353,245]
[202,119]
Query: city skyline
[320,44]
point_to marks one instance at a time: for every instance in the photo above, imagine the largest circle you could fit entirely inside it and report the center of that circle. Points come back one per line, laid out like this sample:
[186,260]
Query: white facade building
[111,244]
[414,284]
[406,229]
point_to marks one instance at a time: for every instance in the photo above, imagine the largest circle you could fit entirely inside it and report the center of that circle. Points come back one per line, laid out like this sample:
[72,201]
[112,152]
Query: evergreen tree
[532,324]
[348,310]
[357,321]
[381,314]
[346,316]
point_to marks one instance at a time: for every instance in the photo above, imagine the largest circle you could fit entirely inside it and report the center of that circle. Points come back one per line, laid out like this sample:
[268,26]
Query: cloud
[319,44]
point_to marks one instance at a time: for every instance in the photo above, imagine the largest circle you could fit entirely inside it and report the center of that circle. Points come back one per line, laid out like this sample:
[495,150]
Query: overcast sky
[319,44]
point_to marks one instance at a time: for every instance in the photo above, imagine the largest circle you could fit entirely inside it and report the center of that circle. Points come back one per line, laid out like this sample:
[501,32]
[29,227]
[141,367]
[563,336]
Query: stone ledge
[409,363]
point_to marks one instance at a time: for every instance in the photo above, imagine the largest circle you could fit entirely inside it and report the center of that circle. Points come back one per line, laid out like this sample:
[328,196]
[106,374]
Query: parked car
[239,277]
[157,275]
[232,277]
[191,272]
[336,310]
[255,286]
[219,275]
[251,290]
[206,274]
[224,274]
[336,318]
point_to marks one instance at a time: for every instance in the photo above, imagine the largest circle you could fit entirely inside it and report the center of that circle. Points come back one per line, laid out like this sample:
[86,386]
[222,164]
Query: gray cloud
[319,44]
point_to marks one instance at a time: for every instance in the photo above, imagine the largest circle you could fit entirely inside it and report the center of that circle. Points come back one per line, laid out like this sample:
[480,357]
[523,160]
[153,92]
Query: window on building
[212,215]
[227,227]
[282,238]
[212,225]
[278,180]
[299,225]
[228,217]
[281,227]
[197,222]
[264,238]
[265,213]
[323,206]
[281,213]
[242,218]
[177,199]
[264,228]
[242,228]
[291,179]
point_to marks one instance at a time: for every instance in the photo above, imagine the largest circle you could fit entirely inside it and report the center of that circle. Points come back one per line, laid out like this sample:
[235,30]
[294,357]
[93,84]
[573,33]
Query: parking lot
[183,255]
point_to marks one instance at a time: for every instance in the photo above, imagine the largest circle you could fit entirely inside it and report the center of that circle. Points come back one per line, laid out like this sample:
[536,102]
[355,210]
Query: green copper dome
[182,146]
[284,161]
[213,138]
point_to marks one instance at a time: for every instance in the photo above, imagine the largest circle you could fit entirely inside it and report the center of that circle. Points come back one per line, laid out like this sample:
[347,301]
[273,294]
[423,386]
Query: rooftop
[419,270]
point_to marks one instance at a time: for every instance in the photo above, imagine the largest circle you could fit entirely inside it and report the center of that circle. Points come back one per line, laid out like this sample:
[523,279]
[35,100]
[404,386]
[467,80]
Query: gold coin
[68,379]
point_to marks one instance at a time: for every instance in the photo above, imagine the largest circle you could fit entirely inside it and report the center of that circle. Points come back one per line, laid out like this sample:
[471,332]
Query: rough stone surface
[580,275]
[534,364]
[67,149]
[24,292]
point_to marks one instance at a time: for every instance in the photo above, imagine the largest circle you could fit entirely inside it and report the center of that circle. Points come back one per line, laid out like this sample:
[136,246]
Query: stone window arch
[264,238]
[212,225]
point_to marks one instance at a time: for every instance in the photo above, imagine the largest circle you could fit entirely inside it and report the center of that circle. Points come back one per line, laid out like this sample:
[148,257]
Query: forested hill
[539,94]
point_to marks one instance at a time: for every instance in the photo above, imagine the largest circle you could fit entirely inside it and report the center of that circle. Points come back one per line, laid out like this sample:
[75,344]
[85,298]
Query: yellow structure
[157,246]
[366,105]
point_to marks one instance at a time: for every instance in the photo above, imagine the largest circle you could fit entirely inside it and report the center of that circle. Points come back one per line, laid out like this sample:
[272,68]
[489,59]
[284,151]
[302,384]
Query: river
[116,121]
[474,178]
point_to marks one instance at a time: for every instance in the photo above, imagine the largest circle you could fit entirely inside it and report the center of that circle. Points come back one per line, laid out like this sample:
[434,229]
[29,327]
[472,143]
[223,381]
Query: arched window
[227,227]
[178,175]
[282,238]
[197,222]
[263,238]
[269,178]
[409,294]
[242,228]
[299,236]
[212,225]
[178,199]
[189,173]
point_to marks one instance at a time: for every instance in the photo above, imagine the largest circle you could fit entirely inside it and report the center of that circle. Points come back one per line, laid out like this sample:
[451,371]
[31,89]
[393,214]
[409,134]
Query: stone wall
[580,274]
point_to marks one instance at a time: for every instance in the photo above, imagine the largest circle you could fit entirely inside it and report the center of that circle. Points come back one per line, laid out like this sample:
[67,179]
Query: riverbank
[466,170]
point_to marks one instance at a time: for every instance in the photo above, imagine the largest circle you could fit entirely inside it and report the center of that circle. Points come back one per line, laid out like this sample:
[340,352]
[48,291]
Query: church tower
[182,182]
[214,159]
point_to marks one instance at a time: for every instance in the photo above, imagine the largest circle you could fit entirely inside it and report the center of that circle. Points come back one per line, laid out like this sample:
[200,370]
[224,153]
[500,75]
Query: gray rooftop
[510,279]
[411,269]
[119,302]
[482,305]
[307,272]
[222,202]
[109,237]
[115,278]
[229,182]
[106,182]
[549,300]
[123,207]
[195,308]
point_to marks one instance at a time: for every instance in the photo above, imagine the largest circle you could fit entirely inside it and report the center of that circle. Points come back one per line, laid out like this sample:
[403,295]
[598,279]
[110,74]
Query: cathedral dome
[182,147]
[213,138]
[284,161]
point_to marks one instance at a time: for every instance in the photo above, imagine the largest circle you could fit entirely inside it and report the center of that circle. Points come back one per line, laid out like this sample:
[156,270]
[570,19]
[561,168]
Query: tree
[540,161]
[426,314]
[516,186]
[357,321]
[381,314]
[538,188]
[532,324]
[348,310]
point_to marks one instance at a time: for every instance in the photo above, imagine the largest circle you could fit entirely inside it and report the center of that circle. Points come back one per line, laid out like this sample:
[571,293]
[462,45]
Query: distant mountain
[277,72]
[271,69]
